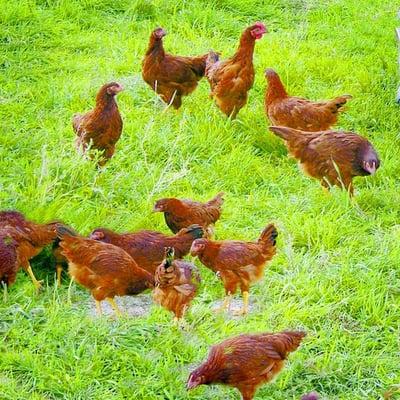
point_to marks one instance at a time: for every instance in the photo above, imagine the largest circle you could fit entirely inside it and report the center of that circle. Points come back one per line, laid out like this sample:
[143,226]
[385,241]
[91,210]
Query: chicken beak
[370,167]
[156,209]
[192,383]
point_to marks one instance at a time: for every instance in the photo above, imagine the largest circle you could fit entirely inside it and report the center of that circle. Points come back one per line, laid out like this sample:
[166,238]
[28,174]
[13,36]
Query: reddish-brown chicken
[332,157]
[181,213]
[177,282]
[33,237]
[237,263]
[106,270]
[147,248]
[9,264]
[231,79]
[299,113]
[170,76]
[100,128]
[246,362]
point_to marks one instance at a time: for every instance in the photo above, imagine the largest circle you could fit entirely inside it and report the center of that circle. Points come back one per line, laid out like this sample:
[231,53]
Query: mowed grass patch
[336,273]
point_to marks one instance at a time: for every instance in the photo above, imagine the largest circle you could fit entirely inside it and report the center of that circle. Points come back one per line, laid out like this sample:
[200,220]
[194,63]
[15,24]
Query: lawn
[336,274]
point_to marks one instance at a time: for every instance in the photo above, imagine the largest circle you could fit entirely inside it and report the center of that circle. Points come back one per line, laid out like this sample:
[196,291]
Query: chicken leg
[226,304]
[115,307]
[37,284]
[59,272]
[98,308]
[245,308]
[5,292]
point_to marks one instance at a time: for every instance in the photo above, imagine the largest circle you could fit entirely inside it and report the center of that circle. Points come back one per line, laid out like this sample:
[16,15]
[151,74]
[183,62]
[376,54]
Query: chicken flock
[111,264]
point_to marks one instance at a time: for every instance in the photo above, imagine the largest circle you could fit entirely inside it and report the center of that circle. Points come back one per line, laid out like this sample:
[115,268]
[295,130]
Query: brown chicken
[246,362]
[106,270]
[182,213]
[100,128]
[34,238]
[231,79]
[9,264]
[177,282]
[170,76]
[299,113]
[147,248]
[237,263]
[332,157]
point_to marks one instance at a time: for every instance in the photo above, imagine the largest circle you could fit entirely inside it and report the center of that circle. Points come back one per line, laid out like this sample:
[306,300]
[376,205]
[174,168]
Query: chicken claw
[226,304]
[37,284]
[245,309]
[115,307]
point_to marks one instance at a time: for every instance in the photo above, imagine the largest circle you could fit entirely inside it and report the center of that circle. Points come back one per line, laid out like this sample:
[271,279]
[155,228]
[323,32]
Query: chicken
[31,240]
[180,214]
[177,282]
[170,76]
[147,248]
[106,270]
[299,113]
[8,257]
[231,79]
[100,128]
[246,362]
[332,157]
[237,263]
[311,396]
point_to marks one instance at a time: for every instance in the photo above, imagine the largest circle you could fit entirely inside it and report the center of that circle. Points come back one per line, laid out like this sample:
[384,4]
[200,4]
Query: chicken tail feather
[268,235]
[63,231]
[338,102]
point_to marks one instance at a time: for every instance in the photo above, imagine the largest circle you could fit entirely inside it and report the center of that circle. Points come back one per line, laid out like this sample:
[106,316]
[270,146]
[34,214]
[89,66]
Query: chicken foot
[245,308]
[36,283]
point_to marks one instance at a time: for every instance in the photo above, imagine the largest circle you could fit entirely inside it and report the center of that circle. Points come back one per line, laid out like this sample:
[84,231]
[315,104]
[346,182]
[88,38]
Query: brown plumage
[332,157]
[170,76]
[181,213]
[9,263]
[237,263]
[177,282]
[31,239]
[299,113]
[106,270]
[231,79]
[101,127]
[147,248]
[246,362]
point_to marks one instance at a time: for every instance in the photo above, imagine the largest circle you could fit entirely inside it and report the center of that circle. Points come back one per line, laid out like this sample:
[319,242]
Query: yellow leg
[98,308]
[226,304]
[69,290]
[115,307]
[59,272]
[5,292]
[37,283]
[245,308]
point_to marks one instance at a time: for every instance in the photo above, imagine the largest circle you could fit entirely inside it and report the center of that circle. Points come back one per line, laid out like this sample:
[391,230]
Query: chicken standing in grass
[181,213]
[246,362]
[299,113]
[177,282]
[231,79]
[170,76]
[237,263]
[332,157]
[106,270]
[31,238]
[100,128]
[147,248]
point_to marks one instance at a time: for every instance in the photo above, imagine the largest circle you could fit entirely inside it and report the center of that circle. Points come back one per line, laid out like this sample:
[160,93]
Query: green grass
[336,273]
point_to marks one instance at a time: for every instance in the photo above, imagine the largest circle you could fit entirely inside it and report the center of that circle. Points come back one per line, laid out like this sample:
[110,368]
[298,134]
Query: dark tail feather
[337,103]
[169,256]
[195,230]
[212,58]
[269,235]
[294,339]
[218,200]
[63,230]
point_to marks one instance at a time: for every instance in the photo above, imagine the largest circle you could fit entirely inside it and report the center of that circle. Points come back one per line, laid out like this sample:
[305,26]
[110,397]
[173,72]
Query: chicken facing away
[170,76]
[181,213]
[237,263]
[299,113]
[246,362]
[231,79]
[177,282]
[147,248]
[100,128]
[106,270]
[332,157]
[31,238]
